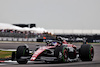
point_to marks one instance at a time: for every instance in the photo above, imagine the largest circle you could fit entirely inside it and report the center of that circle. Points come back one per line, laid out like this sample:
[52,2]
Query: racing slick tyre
[22,51]
[86,52]
[61,53]
[13,56]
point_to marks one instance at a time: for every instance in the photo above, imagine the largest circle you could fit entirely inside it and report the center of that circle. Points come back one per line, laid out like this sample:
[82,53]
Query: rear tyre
[22,51]
[86,52]
[13,56]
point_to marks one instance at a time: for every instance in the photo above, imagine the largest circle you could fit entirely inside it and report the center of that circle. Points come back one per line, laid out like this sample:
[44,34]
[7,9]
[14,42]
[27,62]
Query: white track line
[3,64]
[8,62]
[8,49]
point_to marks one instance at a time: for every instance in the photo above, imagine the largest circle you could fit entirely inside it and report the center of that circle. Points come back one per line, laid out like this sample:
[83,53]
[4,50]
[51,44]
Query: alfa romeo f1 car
[55,51]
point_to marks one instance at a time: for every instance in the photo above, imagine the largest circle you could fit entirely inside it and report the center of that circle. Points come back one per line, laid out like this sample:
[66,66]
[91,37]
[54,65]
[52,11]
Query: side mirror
[59,42]
[47,42]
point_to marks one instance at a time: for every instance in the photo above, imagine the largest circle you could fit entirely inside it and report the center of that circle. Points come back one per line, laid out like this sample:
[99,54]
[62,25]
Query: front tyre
[22,51]
[61,53]
[22,61]
[86,52]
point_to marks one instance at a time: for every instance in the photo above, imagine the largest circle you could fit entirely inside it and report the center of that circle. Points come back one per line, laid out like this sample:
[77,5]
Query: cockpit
[53,43]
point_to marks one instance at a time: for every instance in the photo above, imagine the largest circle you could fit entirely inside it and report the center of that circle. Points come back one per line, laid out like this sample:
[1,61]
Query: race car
[54,51]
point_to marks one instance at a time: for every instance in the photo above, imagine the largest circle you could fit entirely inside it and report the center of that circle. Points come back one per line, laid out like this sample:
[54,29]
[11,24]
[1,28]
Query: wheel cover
[91,55]
[65,55]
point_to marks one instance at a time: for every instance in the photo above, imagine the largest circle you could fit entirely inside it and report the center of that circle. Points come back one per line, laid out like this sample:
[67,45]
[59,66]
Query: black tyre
[22,51]
[22,61]
[86,52]
[13,56]
[61,53]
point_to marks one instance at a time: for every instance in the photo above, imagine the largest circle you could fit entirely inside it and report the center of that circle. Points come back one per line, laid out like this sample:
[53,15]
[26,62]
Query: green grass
[5,54]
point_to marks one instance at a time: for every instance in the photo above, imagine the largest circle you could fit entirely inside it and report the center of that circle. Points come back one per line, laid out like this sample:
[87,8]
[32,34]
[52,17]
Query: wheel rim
[65,55]
[91,53]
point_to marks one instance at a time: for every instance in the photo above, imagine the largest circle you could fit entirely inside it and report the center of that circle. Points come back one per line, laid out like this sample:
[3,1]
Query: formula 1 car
[54,51]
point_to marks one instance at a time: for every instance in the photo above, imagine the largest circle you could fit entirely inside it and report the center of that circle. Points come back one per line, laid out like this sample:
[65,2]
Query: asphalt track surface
[94,63]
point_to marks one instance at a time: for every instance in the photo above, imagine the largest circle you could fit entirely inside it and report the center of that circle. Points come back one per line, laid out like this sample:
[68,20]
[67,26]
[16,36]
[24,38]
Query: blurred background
[38,20]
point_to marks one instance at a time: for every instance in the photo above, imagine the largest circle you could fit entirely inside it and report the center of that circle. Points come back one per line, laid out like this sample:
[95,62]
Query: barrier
[18,39]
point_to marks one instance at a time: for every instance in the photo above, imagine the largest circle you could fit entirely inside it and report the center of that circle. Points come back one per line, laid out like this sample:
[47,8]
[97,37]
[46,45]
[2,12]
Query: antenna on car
[84,40]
